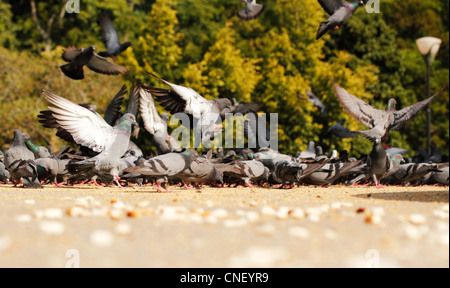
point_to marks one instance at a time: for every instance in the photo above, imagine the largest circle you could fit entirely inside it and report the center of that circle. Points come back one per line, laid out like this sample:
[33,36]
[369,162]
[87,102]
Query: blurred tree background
[202,44]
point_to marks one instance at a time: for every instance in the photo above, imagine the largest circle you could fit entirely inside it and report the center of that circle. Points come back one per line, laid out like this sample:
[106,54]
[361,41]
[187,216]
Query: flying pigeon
[246,171]
[339,11]
[78,58]
[110,37]
[252,10]
[183,99]
[340,131]
[156,124]
[164,166]
[91,130]
[380,121]
[19,161]
[313,99]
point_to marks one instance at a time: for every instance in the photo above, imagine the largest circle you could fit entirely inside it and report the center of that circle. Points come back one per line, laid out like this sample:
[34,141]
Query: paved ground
[86,226]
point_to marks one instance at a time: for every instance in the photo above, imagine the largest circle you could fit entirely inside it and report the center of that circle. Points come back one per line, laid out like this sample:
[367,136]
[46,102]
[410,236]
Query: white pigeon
[91,130]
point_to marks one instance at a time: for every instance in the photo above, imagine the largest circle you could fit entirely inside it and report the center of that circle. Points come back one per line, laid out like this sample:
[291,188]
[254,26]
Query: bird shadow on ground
[425,196]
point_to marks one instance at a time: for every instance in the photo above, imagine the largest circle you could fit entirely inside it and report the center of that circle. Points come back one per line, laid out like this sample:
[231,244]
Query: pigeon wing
[113,113]
[330,6]
[403,116]
[103,66]
[87,128]
[152,120]
[358,109]
[71,53]
[110,36]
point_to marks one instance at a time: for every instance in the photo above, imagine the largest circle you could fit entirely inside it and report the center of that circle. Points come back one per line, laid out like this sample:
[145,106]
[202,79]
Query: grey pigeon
[313,99]
[4,173]
[340,131]
[435,156]
[91,130]
[78,58]
[181,99]
[200,171]
[410,173]
[339,11]
[252,10]
[439,177]
[164,166]
[380,121]
[288,173]
[19,161]
[52,170]
[380,164]
[246,171]
[38,151]
[156,124]
[330,172]
[309,153]
[270,157]
[110,37]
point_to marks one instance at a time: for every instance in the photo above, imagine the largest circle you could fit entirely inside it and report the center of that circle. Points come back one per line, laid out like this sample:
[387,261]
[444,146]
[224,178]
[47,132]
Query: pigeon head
[126,122]
[224,103]
[18,137]
[165,116]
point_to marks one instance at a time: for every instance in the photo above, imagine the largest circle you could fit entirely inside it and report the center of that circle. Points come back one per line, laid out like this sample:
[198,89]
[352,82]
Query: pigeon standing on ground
[378,163]
[156,124]
[410,173]
[246,171]
[78,58]
[252,10]
[183,99]
[313,99]
[339,11]
[91,130]
[200,171]
[164,166]
[19,161]
[380,121]
[288,173]
[110,37]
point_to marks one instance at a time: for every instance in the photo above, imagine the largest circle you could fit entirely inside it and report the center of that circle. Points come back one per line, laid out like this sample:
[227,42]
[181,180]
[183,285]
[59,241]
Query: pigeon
[110,37]
[309,153]
[252,10]
[4,173]
[200,171]
[435,156]
[330,172]
[156,124]
[19,161]
[380,164]
[52,169]
[183,99]
[410,173]
[247,171]
[288,173]
[339,11]
[79,57]
[380,121]
[112,114]
[270,157]
[315,101]
[439,177]
[340,131]
[163,166]
[91,130]
[38,151]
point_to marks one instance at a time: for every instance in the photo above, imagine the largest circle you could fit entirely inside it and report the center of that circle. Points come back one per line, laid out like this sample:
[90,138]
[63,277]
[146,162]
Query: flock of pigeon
[105,153]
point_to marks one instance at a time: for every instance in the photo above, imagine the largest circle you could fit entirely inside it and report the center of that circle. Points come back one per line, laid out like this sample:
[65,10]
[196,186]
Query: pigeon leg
[248,184]
[59,185]
[116,180]
[185,186]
